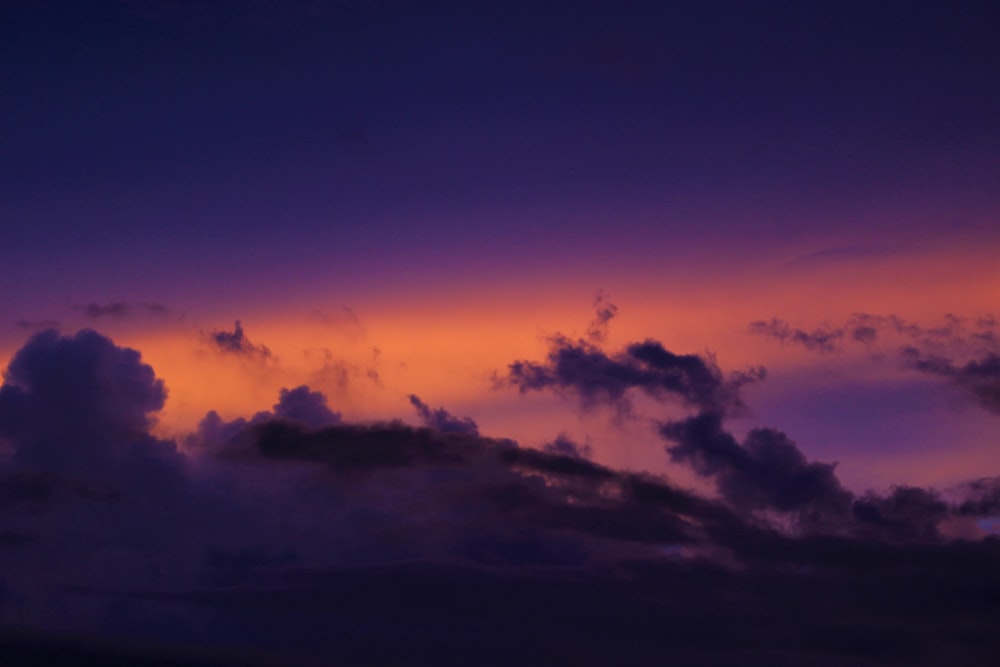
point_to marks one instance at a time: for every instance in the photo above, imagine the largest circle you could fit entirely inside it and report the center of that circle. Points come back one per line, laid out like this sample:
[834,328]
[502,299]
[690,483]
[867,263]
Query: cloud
[566,447]
[76,400]
[122,310]
[979,378]
[236,342]
[297,532]
[766,471]
[583,369]
[306,407]
[964,353]
[300,406]
[820,340]
[442,420]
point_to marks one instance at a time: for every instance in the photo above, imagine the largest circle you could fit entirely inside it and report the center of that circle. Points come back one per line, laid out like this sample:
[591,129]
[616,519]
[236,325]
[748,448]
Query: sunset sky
[578,226]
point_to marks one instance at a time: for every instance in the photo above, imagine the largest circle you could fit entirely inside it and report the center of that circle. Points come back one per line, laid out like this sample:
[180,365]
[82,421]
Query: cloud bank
[297,535]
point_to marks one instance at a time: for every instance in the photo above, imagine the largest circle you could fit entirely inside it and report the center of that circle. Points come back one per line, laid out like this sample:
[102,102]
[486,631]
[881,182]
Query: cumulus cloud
[442,420]
[76,400]
[306,407]
[236,342]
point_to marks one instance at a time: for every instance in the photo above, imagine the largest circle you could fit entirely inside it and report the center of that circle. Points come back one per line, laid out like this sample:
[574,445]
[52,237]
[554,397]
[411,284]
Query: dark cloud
[566,447]
[981,497]
[908,514]
[300,405]
[295,532]
[596,377]
[979,378]
[122,310]
[820,340]
[766,471]
[236,342]
[76,400]
[442,420]
[966,354]
[306,407]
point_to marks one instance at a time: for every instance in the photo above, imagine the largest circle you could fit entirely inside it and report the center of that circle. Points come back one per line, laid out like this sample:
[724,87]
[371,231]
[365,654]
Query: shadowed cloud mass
[305,534]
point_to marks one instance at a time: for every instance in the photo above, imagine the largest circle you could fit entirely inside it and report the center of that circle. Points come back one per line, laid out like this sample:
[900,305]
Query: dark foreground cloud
[76,401]
[766,471]
[295,536]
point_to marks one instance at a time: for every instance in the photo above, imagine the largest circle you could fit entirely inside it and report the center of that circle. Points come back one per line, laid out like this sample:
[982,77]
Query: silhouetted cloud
[76,400]
[587,371]
[981,497]
[442,420]
[766,471]
[907,514]
[236,342]
[290,522]
[821,340]
[979,378]
[566,447]
[967,354]
[306,407]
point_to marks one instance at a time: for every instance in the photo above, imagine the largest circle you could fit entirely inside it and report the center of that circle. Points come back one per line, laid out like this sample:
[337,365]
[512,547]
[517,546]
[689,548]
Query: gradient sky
[401,198]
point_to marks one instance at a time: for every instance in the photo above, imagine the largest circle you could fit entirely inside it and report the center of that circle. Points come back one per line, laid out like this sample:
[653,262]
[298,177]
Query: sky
[314,314]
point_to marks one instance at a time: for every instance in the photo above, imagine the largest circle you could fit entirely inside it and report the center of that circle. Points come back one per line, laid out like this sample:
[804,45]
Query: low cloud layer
[299,534]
